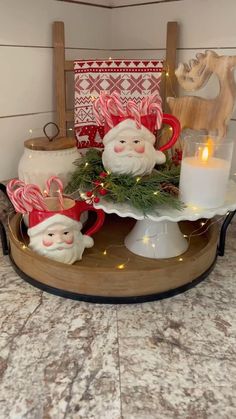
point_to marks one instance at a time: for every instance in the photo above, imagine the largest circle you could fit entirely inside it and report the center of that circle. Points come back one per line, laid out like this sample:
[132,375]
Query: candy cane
[19,206]
[144,105]
[104,97]
[55,179]
[97,112]
[13,184]
[25,197]
[32,193]
[112,106]
[118,104]
[132,110]
[155,108]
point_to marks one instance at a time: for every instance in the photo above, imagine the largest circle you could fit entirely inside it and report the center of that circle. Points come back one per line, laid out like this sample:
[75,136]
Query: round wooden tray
[109,273]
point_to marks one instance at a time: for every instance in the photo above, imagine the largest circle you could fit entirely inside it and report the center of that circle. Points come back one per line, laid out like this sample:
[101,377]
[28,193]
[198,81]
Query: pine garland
[144,193]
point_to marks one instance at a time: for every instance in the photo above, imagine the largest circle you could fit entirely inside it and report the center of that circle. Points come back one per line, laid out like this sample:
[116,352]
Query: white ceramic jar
[43,158]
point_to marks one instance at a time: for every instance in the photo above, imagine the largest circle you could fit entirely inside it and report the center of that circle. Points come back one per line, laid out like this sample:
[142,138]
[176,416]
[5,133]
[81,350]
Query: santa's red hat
[38,224]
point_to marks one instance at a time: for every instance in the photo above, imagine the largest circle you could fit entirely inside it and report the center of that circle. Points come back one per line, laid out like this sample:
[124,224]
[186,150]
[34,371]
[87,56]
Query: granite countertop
[174,358]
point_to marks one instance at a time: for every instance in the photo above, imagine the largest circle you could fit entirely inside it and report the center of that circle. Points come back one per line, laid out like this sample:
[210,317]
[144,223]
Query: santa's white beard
[66,254]
[131,162]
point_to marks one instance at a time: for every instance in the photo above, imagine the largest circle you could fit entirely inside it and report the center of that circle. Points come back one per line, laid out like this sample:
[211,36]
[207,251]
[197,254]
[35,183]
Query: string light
[194,208]
[138,179]
[180,259]
[121,266]
[209,223]
[104,253]
[156,193]
[86,164]
[167,74]
[145,239]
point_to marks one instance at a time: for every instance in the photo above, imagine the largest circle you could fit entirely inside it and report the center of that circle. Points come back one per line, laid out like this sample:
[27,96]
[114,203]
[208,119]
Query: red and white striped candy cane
[118,104]
[112,106]
[19,204]
[133,111]
[35,197]
[155,108]
[155,99]
[56,180]
[97,111]
[12,185]
[106,113]
[25,197]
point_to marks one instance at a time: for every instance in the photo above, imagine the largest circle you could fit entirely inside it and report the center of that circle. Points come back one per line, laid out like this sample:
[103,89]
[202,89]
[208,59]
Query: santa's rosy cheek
[47,243]
[119,148]
[139,148]
[69,241]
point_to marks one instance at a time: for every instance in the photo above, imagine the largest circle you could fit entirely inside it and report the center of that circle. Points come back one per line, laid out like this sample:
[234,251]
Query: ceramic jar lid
[50,143]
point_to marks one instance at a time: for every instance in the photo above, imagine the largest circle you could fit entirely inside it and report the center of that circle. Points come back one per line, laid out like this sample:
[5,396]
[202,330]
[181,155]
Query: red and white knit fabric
[131,79]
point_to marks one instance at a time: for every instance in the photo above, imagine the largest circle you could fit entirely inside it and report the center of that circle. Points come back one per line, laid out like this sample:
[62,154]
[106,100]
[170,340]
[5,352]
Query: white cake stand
[157,234]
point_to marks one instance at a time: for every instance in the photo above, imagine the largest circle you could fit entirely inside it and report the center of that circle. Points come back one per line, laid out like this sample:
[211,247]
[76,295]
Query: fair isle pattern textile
[132,79]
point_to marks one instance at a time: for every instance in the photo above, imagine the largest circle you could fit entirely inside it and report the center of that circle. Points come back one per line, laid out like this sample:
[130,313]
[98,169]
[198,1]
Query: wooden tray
[109,273]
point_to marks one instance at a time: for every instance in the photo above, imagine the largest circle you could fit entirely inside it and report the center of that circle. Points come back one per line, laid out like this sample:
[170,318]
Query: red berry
[97,182]
[102,191]
[96,200]
[89,194]
[103,174]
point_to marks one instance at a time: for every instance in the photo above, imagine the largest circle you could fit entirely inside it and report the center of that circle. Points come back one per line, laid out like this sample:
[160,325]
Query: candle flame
[205,154]
[207,151]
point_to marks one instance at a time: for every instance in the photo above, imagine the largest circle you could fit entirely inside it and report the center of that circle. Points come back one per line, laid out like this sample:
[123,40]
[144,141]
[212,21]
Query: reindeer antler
[195,75]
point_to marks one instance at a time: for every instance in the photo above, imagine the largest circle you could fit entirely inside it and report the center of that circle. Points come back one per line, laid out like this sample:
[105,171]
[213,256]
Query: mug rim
[58,210]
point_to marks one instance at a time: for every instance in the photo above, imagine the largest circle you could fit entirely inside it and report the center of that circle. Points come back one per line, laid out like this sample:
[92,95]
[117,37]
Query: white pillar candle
[203,183]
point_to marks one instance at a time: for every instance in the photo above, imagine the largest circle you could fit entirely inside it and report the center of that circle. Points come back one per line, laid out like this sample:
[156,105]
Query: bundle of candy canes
[105,106]
[26,197]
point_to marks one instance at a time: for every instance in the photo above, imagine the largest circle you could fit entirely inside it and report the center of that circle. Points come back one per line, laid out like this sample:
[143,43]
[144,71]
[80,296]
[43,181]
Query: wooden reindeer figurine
[211,115]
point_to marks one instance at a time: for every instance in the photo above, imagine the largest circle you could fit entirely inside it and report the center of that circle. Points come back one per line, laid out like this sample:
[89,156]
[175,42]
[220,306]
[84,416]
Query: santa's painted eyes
[136,141]
[122,141]
[66,232]
[50,234]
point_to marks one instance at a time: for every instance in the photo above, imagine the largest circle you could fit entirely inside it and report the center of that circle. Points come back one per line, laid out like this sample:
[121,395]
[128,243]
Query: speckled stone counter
[174,358]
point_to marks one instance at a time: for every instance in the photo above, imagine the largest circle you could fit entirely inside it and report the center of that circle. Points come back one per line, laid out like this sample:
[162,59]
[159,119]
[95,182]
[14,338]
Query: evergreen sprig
[144,193]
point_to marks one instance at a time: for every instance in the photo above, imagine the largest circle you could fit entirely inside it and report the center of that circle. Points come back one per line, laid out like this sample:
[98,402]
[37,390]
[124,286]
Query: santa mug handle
[82,206]
[175,125]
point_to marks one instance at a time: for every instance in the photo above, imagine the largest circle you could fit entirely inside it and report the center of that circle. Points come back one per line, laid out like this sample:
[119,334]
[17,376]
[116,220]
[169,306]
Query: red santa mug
[56,232]
[149,122]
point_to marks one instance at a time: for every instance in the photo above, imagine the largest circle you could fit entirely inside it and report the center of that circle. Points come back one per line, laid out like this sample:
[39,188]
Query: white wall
[26,78]
[204,24]
[26,56]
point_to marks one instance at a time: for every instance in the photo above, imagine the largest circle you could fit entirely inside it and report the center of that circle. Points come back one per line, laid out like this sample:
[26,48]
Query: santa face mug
[130,150]
[56,233]
[129,141]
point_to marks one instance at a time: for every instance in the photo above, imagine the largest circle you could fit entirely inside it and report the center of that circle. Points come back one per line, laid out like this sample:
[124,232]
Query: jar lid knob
[51,138]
